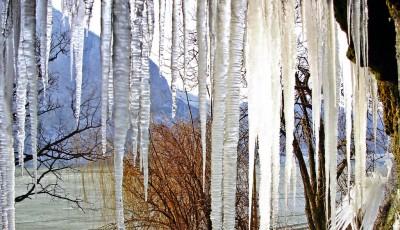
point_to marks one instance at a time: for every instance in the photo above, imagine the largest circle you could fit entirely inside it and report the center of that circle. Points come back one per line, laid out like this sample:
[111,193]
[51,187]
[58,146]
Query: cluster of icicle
[365,196]
[21,21]
[78,13]
[271,42]
[126,83]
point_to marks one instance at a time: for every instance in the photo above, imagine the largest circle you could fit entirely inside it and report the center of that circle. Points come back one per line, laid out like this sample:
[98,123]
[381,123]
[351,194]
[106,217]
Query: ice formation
[202,76]
[270,50]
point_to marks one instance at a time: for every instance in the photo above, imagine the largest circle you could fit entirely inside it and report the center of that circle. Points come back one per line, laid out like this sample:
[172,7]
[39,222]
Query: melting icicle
[7,165]
[77,44]
[348,89]
[311,25]
[288,78]
[202,76]
[136,71]
[359,35]
[276,93]
[88,13]
[26,70]
[174,54]
[330,103]
[106,7]
[145,92]
[232,103]
[121,30]
[110,89]
[161,16]
[217,133]
[257,87]
[44,29]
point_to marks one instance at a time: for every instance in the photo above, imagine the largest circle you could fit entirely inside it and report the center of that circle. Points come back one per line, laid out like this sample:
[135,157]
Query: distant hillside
[161,98]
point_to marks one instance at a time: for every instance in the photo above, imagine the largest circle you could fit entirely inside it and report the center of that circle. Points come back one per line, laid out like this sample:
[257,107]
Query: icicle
[217,133]
[33,115]
[77,44]
[288,78]
[49,30]
[256,46]
[359,34]
[175,53]
[110,88]
[136,71]
[276,93]
[106,7]
[121,30]
[330,105]
[88,13]
[232,112]
[202,76]
[348,87]
[145,102]
[375,103]
[311,25]
[7,165]
[41,31]
[26,70]
[161,16]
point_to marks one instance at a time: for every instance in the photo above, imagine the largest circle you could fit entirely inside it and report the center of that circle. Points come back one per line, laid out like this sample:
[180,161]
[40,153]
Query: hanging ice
[175,53]
[88,12]
[288,79]
[121,64]
[145,90]
[311,24]
[136,70]
[44,30]
[202,76]
[106,7]
[77,44]
[232,112]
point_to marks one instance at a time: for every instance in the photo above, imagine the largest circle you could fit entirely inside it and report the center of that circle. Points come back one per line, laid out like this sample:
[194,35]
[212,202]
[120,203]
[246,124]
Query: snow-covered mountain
[161,98]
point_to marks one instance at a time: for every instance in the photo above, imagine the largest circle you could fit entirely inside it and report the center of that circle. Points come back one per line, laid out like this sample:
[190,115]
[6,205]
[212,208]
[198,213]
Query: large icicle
[106,7]
[217,133]
[202,76]
[330,104]
[273,12]
[33,115]
[255,47]
[77,44]
[175,53]
[359,35]
[232,112]
[7,165]
[136,71]
[311,25]
[288,37]
[145,102]
[348,89]
[44,30]
[26,70]
[121,64]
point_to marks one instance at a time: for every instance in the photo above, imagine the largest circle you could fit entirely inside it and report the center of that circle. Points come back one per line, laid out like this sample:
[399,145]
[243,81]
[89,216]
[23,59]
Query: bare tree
[63,147]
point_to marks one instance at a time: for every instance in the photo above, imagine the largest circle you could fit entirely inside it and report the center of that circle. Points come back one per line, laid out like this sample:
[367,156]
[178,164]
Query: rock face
[384,47]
